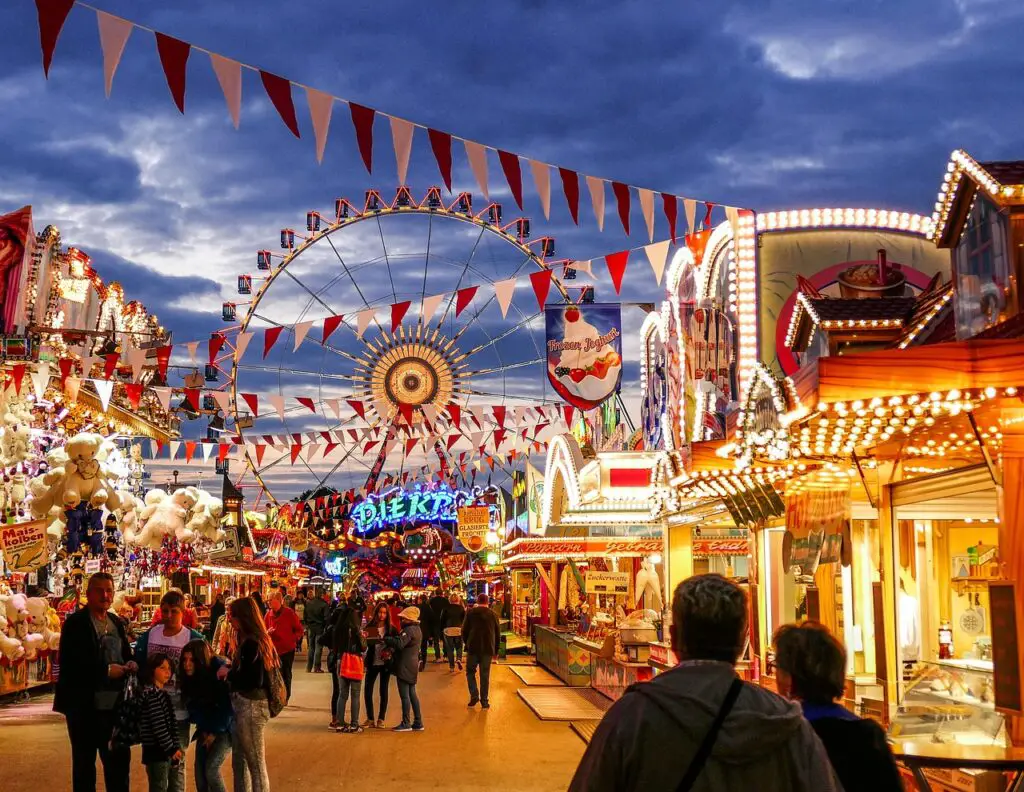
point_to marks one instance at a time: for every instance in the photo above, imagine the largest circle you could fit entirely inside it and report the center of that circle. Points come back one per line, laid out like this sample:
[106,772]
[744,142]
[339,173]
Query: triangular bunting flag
[253,402]
[542,181]
[193,349]
[163,357]
[430,305]
[360,410]
[295,449]
[477,156]
[541,282]
[259,450]
[110,364]
[71,387]
[174,58]
[65,364]
[671,207]
[280,92]
[306,402]
[331,323]
[207,450]
[616,263]
[584,266]
[114,33]
[52,15]
[18,375]
[571,189]
[401,137]
[40,379]
[229,75]
[311,450]
[455,413]
[441,145]
[301,331]
[362,120]
[406,412]
[104,389]
[621,192]
[241,344]
[277,402]
[335,407]
[363,319]
[657,254]
[596,187]
[410,444]
[163,396]
[216,343]
[463,297]
[173,448]
[190,450]
[398,312]
[223,449]
[567,411]
[321,105]
[192,396]
[503,291]
[513,174]
[452,440]
[647,210]
[270,336]
[499,414]
[690,211]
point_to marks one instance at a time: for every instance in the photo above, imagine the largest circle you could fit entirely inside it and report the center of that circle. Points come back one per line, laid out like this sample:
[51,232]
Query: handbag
[704,751]
[277,693]
[351,666]
[128,715]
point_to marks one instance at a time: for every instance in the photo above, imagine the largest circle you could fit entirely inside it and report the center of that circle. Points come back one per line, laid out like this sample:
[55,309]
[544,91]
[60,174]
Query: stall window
[982,271]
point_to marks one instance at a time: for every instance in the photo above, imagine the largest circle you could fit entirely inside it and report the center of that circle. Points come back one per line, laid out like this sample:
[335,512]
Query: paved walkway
[505,748]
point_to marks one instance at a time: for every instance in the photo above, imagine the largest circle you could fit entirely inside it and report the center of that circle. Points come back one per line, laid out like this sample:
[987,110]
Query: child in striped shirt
[160,748]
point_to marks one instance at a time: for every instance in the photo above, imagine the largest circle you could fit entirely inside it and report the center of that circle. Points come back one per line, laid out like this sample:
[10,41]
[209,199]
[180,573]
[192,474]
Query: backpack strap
[704,751]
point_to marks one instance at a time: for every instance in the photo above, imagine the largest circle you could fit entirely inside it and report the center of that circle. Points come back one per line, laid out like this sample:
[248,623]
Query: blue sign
[398,506]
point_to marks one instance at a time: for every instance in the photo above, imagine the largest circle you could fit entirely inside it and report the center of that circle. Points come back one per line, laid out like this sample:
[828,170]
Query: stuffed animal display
[26,627]
[183,514]
[15,433]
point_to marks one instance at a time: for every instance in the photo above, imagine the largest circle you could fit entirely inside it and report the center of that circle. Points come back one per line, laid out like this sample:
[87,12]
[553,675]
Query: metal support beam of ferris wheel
[382,455]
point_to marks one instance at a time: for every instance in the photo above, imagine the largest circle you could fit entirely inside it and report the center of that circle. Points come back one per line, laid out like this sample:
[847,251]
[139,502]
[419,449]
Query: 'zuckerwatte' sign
[400,506]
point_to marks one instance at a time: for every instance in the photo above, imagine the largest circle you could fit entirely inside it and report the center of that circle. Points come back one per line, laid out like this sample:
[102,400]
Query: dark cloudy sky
[760,104]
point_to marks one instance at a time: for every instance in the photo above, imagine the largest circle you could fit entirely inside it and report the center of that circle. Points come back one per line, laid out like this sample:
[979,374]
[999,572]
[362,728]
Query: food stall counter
[562,656]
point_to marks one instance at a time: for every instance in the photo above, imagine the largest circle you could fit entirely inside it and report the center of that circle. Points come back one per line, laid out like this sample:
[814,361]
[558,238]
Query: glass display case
[950,701]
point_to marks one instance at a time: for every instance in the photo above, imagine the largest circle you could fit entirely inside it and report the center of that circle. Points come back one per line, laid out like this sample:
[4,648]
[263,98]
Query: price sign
[606,582]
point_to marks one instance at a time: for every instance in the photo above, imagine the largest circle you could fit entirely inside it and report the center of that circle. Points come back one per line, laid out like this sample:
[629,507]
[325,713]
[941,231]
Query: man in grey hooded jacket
[649,739]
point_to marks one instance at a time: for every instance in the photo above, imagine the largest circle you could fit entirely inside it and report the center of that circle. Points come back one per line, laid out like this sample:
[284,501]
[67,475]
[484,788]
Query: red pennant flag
[134,392]
[65,364]
[192,395]
[490,462]
[464,297]
[296,450]
[269,439]
[18,374]
[330,447]
[190,450]
[331,323]
[452,440]
[499,415]
[541,282]
[110,364]
[405,477]
[163,357]
[499,438]
[455,413]
[410,444]
[280,92]
[671,210]
[398,311]
[222,451]
[260,450]
[253,401]
[571,188]
[513,174]
[358,407]
[462,467]
[362,120]
[406,411]
[622,199]
[307,402]
[567,409]
[216,344]
[270,336]
[616,263]
[368,446]
[353,434]
[52,15]
[441,144]
[174,58]
[536,447]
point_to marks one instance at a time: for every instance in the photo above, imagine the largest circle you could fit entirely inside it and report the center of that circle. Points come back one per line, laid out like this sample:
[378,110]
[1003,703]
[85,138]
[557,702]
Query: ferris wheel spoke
[426,264]
[311,293]
[465,269]
[506,396]
[335,350]
[272,369]
[269,465]
[354,284]
[502,335]
[489,300]
[387,261]
[507,367]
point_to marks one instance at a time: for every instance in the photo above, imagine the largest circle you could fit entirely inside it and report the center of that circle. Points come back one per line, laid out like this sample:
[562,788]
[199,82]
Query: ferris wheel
[358,262]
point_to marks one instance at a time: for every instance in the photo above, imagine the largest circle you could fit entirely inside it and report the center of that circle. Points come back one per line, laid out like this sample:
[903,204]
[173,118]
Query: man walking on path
[482,636]
[438,607]
[314,620]
[285,632]
[95,657]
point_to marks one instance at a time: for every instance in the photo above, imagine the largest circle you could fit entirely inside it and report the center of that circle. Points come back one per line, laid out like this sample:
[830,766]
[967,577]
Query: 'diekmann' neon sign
[398,506]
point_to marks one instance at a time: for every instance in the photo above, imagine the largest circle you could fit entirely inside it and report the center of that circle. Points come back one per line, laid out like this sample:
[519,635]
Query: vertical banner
[16,240]
[584,352]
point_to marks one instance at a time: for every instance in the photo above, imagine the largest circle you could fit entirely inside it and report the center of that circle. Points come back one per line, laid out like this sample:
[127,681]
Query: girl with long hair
[254,657]
[378,659]
[208,701]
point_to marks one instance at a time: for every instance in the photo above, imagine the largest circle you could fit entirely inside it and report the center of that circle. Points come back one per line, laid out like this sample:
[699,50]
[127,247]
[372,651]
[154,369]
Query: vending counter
[559,654]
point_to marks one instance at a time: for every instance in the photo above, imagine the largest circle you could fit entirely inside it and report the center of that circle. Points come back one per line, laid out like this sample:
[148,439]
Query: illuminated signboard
[400,506]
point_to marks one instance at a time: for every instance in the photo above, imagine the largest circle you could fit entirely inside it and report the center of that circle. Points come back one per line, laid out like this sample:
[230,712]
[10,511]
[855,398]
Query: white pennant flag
[241,344]
[429,413]
[277,402]
[311,449]
[476,439]
[223,400]
[596,187]
[104,389]
[71,386]
[517,416]
[401,136]
[163,395]
[114,33]
[207,450]
[301,331]
[320,107]
[583,266]
[733,216]
[193,348]
[40,379]
[503,290]
[476,464]
[363,319]
[174,446]
[657,254]
[542,179]
[430,305]
[480,413]
[690,210]
[88,363]
[335,405]
[477,156]
[647,208]
[382,408]
[137,360]
[229,75]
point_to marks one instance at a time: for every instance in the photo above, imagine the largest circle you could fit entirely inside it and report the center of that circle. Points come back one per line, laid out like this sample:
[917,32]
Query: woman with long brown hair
[254,657]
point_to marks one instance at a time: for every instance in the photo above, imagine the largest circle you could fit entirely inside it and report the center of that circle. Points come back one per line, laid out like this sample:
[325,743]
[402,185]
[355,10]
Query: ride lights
[492,538]
[263,260]
[492,558]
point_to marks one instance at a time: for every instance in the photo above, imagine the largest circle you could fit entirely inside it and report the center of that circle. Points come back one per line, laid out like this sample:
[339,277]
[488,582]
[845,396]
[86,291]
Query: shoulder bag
[704,751]
[128,715]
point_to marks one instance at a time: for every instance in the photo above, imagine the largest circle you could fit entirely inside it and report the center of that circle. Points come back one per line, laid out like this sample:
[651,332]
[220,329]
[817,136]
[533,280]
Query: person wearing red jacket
[285,631]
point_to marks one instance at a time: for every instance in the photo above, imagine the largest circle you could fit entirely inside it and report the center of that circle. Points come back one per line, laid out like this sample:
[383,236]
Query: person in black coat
[438,607]
[95,658]
[481,634]
[428,626]
[811,668]
[216,611]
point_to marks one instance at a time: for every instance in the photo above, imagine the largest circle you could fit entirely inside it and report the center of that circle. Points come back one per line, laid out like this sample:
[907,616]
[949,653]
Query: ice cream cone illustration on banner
[584,351]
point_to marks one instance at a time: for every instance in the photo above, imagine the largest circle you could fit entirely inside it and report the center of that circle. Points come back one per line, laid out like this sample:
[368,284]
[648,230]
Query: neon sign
[398,506]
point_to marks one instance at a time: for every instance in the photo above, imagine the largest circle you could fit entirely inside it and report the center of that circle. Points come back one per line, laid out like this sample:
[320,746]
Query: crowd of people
[176,686]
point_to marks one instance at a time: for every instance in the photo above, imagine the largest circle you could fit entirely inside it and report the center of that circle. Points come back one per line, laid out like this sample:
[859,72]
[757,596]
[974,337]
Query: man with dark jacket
[438,608]
[95,657]
[482,635]
[314,619]
[652,737]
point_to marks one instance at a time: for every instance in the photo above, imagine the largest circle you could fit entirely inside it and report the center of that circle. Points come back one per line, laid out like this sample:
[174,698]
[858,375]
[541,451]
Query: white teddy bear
[15,439]
[206,515]
[164,515]
[10,647]
[39,621]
